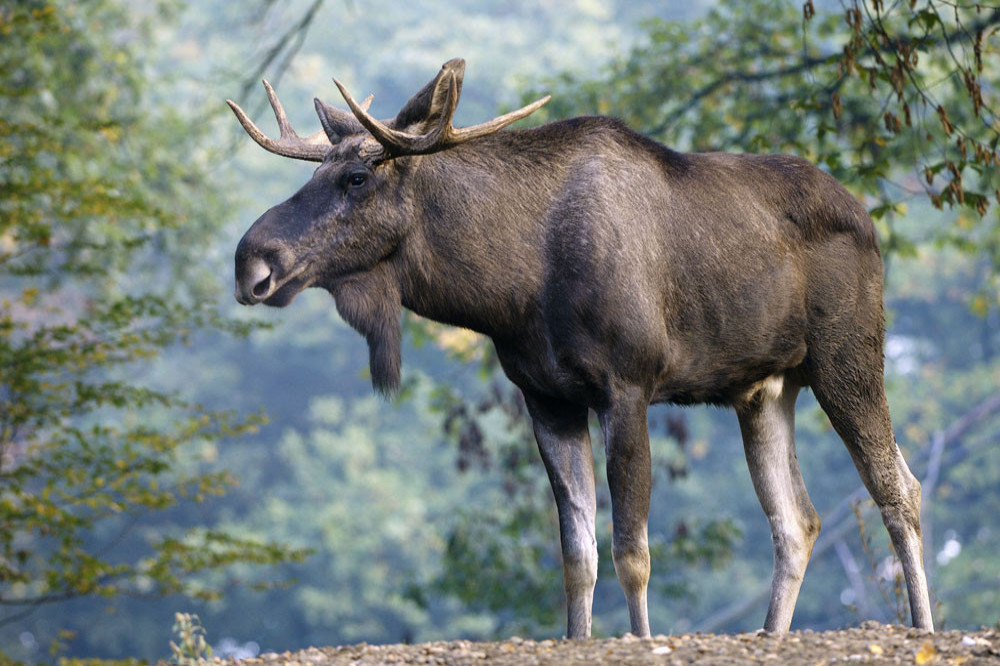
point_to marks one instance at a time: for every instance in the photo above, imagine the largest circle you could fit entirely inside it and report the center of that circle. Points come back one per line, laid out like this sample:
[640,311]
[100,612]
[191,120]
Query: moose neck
[475,255]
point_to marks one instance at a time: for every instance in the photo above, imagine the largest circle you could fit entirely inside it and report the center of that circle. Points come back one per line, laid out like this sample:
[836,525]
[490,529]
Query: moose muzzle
[267,270]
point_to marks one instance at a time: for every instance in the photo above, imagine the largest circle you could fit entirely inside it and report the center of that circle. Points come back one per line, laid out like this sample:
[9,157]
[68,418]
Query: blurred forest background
[164,450]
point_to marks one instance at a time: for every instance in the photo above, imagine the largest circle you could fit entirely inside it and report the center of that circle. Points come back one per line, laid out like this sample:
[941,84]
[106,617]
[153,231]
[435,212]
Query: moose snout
[261,263]
[270,267]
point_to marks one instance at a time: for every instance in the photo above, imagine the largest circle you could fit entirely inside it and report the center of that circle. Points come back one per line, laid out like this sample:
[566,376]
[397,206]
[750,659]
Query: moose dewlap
[611,272]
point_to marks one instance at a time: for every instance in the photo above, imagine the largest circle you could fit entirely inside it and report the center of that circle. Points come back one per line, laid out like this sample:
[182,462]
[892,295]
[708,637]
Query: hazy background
[428,516]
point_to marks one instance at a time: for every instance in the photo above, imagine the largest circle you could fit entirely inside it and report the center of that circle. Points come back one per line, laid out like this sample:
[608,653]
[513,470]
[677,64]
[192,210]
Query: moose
[610,273]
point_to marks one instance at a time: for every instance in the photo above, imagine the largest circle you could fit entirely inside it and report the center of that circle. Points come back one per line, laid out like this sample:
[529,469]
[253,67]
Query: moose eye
[357,179]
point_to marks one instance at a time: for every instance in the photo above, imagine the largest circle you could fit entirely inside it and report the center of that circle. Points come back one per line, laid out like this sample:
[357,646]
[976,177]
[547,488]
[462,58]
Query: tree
[96,256]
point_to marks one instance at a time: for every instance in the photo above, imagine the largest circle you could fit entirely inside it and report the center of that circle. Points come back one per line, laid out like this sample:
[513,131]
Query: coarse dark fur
[611,272]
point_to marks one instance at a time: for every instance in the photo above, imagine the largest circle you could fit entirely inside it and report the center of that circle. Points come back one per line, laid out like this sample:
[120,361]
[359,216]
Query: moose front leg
[564,443]
[626,441]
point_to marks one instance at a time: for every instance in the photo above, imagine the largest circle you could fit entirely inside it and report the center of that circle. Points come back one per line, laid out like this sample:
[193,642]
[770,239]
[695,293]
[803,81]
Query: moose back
[610,273]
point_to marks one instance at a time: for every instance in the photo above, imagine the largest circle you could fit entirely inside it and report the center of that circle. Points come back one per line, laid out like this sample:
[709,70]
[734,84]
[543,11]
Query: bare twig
[853,572]
[286,48]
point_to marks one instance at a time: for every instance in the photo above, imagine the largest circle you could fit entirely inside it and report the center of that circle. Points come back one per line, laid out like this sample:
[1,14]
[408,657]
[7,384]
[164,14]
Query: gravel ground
[871,643]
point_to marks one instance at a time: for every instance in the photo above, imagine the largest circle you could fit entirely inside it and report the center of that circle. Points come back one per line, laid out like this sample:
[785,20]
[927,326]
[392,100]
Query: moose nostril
[261,288]
[254,279]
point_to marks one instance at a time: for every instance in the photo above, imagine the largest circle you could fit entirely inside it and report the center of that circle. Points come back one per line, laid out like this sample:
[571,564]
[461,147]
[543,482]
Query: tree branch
[853,572]
[734,77]
[295,36]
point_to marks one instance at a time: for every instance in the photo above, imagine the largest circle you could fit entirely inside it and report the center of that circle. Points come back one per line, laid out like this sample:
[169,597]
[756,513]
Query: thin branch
[853,572]
[734,77]
[808,63]
[21,615]
[295,36]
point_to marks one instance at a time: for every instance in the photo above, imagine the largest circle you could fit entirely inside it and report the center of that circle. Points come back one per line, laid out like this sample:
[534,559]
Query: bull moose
[610,272]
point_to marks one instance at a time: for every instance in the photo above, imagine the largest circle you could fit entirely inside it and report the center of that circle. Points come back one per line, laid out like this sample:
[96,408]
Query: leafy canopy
[100,217]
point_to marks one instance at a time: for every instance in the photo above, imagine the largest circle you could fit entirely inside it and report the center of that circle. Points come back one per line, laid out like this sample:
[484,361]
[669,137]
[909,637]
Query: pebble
[975,641]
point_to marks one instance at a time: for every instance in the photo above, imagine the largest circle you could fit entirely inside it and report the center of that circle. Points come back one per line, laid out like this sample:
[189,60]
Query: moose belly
[682,369]
[720,366]
[722,381]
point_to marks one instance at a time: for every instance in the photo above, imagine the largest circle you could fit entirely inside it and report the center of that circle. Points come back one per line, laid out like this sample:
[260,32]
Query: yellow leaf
[927,654]
[461,342]
[875,649]
[980,305]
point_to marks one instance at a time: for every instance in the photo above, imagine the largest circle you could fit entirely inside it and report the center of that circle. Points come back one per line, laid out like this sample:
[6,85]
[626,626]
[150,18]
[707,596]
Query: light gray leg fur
[767,421]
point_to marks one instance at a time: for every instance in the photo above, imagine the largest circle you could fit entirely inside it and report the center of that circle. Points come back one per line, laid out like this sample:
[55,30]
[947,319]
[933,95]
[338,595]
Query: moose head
[353,213]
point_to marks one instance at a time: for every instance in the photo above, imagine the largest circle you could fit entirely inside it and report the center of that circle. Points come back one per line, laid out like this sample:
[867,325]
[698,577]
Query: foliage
[944,373]
[503,559]
[505,564]
[92,200]
[191,648]
[73,661]
[373,491]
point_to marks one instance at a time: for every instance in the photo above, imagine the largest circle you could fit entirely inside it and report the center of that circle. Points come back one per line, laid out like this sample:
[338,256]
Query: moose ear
[424,109]
[338,124]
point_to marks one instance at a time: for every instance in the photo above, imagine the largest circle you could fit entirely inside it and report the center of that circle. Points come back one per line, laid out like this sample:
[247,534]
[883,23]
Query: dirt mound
[871,643]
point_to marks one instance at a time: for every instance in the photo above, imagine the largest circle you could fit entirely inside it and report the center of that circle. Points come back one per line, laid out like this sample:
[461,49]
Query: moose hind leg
[626,440]
[767,422]
[564,443]
[849,387]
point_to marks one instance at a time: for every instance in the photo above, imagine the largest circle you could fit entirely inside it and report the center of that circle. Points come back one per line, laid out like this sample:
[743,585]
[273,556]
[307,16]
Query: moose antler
[443,134]
[289,144]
